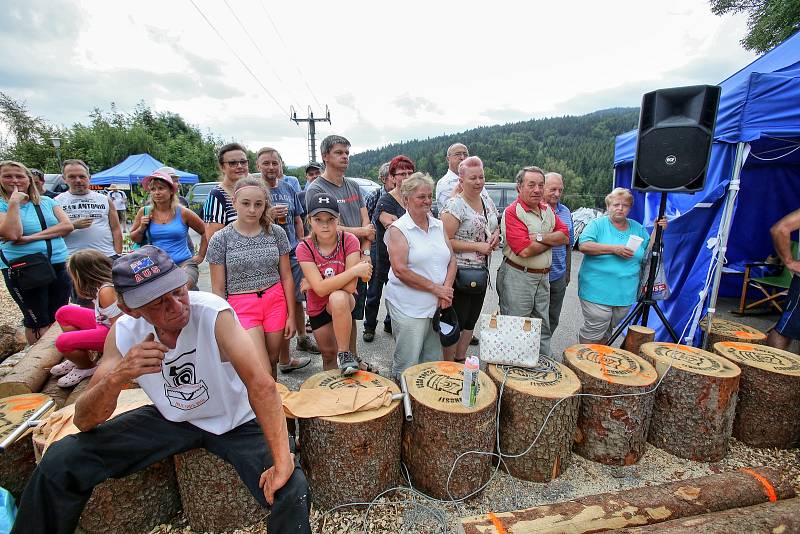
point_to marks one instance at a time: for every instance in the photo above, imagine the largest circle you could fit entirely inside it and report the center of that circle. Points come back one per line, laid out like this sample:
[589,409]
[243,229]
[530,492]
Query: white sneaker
[75,376]
[62,368]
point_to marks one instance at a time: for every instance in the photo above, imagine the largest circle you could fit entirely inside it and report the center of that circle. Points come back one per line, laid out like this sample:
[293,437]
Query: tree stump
[352,457]
[12,340]
[33,370]
[772,517]
[696,402]
[725,330]
[443,429]
[636,337]
[527,398]
[645,505]
[768,410]
[612,431]
[214,497]
[135,503]
[291,423]
[18,461]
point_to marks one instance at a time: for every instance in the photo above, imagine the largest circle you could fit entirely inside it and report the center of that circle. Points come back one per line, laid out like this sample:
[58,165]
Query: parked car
[197,196]
[502,194]
[366,185]
[55,183]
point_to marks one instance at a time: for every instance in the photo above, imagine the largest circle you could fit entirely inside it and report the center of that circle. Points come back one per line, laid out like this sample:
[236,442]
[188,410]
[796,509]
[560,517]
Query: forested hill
[580,148]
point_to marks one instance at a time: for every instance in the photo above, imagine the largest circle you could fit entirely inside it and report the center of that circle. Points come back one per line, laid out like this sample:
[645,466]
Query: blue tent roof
[760,106]
[133,169]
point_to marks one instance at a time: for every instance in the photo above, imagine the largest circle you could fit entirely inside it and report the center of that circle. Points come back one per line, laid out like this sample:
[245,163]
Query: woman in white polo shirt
[423,268]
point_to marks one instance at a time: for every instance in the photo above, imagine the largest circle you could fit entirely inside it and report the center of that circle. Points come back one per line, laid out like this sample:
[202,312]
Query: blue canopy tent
[133,169]
[753,180]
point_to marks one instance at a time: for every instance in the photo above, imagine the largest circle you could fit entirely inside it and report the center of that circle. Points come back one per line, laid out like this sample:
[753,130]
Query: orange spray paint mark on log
[747,335]
[498,525]
[448,368]
[768,488]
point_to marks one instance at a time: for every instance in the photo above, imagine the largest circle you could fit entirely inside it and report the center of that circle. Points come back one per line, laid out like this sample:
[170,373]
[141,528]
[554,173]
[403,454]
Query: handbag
[146,237]
[472,279]
[661,289]
[510,340]
[32,270]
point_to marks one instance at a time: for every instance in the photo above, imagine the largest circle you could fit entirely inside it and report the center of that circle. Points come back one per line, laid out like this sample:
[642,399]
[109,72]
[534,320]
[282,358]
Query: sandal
[366,366]
[74,377]
[62,368]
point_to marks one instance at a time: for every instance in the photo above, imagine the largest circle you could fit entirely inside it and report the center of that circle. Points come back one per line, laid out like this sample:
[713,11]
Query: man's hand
[794,266]
[86,222]
[143,358]
[369,235]
[623,252]
[275,478]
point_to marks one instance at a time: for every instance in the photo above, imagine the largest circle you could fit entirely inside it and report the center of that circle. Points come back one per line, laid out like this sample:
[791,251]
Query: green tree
[769,22]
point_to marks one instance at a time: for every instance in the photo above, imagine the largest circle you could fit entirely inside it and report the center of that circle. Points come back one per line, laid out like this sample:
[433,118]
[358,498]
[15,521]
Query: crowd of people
[276,252]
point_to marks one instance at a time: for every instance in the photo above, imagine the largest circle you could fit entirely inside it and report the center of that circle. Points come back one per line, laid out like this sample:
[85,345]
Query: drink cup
[284,210]
[634,242]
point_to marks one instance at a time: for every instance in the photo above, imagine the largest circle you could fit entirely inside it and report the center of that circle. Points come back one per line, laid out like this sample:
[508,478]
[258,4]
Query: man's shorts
[789,323]
[297,275]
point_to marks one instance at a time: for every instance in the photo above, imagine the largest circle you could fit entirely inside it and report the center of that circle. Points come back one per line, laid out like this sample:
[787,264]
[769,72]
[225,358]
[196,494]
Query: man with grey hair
[447,184]
[562,254]
[353,217]
[530,230]
[376,283]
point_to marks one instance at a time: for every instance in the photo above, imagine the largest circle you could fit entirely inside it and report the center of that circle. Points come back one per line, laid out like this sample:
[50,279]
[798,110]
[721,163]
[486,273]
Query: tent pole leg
[724,233]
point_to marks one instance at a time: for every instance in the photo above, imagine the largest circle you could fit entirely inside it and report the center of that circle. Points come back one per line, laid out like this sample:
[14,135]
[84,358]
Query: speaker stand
[645,302]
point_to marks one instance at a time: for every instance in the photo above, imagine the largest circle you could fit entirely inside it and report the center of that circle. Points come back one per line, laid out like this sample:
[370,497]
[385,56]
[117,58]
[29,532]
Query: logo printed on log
[613,363]
[545,374]
[760,354]
[699,362]
[448,384]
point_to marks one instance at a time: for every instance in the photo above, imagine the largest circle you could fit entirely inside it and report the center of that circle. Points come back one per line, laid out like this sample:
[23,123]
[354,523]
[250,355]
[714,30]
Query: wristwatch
[365,252]
[539,237]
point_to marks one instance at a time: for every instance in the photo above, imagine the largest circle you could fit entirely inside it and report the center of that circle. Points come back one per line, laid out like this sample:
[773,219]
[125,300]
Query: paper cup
[634,242]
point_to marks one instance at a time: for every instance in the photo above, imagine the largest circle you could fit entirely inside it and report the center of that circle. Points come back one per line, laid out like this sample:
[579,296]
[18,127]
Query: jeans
[373,305]
[420,343]
[63,482]
[558,288]
[526,295]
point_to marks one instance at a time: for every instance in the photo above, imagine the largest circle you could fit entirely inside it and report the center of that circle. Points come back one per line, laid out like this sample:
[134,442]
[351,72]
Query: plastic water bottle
[469,392]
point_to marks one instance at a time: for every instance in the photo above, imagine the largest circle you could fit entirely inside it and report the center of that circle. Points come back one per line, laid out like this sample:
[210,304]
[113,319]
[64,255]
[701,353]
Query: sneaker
[306,345]
[347,364]
[387,327]
[75,376]
[297,362]
[474,341]
[368,335]
[62,368]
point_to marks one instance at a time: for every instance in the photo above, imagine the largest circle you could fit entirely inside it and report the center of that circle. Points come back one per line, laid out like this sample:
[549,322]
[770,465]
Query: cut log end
[32,372]
[725,330]
[438,386]
[663,355]
[334,379]
[610,364]
[636,337]
[549,379]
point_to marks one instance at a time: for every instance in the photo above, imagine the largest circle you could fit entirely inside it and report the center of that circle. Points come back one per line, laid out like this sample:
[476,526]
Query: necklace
[333,254]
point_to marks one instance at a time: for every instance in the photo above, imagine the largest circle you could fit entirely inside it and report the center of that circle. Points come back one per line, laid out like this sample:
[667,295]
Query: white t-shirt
[194,385]
[119,199]
[428,256]
[445,187]
[94,206]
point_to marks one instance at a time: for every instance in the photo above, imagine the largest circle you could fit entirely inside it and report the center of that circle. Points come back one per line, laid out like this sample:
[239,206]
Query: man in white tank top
[194,360]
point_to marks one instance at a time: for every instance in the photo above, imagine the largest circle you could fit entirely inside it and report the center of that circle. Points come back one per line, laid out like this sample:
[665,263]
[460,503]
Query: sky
[387,72]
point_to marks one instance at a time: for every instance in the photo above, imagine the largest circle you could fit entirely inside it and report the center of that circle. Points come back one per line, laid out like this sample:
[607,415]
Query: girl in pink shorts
[249,263]
[85,330]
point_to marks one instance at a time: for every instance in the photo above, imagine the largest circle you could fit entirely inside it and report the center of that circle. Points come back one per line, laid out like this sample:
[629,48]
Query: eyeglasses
[460,154]
[237,163]
[406,174]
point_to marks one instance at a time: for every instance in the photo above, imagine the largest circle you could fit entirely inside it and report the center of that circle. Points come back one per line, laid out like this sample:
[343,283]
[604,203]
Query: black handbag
[32,270]
[471,279]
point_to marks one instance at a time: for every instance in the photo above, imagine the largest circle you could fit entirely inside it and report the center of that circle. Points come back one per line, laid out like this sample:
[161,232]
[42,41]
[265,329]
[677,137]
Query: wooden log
[76,392]
[767,518]
[12,340]
[57,393]
[135,503]
[725,330]
[291,423]
[527,397]
[214,497]
[443,429]
[352,457]
[636,337]
[639,506]
[768,409]
[18,461]
[612,431]
[695,403]
[32,371]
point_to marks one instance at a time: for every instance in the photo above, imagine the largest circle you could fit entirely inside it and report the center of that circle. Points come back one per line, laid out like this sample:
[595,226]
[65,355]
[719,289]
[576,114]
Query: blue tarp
[760,106]
[133,169]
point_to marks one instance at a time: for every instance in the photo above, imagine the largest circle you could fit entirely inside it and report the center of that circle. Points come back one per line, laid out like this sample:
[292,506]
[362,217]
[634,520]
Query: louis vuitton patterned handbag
[510,340]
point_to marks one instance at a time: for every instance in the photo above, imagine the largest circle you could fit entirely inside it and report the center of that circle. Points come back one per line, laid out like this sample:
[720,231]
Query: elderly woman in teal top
[609,275]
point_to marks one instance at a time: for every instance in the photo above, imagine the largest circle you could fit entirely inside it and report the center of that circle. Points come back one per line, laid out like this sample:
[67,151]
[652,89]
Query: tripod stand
[646,301]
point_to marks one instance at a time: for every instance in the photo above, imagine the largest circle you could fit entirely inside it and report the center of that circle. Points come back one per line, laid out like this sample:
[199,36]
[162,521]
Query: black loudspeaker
[676,128]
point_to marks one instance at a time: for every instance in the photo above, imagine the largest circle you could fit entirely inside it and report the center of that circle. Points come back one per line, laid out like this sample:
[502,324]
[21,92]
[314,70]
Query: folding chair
[772,287]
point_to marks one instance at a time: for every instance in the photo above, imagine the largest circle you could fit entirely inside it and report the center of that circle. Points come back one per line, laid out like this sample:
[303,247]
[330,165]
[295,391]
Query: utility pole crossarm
[312,130]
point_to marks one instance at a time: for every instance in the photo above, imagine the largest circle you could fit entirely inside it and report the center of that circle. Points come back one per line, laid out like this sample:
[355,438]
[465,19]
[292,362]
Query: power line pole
[312,129]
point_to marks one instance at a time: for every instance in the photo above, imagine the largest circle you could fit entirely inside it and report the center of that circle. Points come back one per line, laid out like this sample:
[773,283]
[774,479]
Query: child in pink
[85,330]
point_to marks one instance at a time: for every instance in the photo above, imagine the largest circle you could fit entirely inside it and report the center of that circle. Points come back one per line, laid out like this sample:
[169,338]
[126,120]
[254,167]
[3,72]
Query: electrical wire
[795,149]
[290,53]
[261,52]
[280,106]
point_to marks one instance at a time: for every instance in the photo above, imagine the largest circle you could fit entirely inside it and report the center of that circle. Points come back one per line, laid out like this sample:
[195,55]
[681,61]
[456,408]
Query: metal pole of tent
[724,233]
